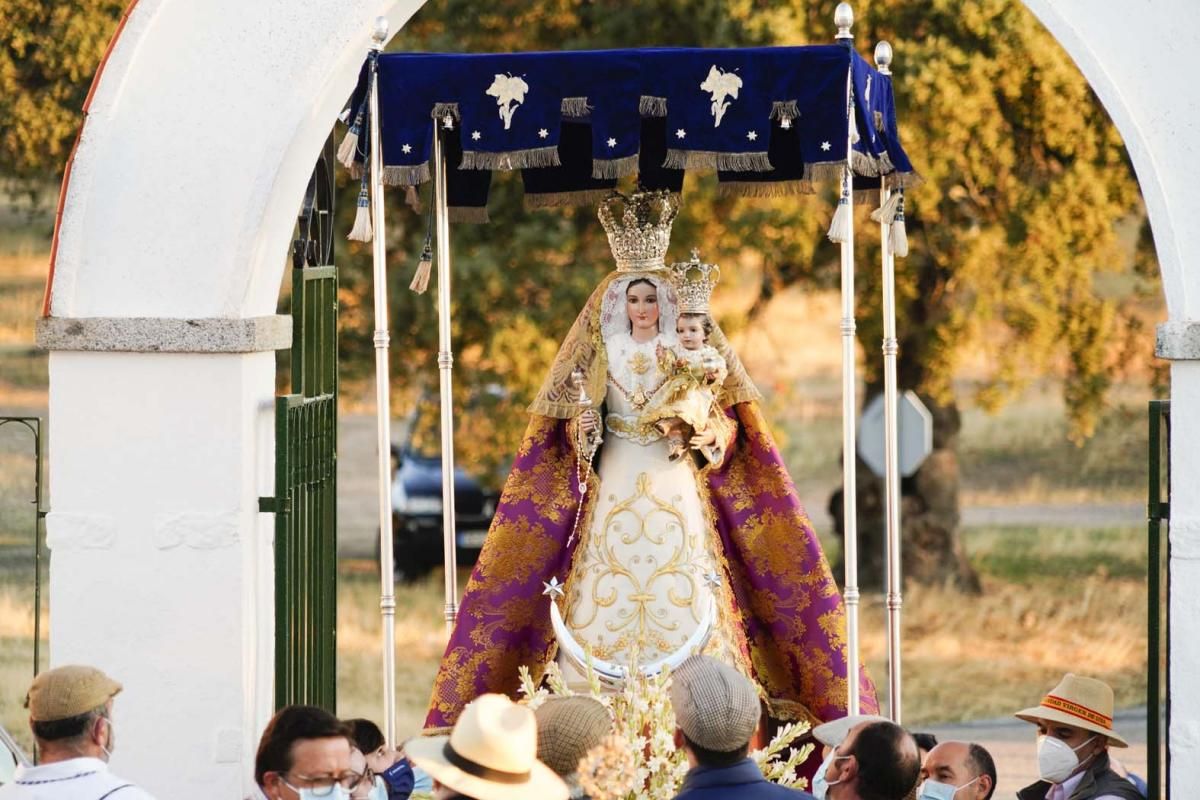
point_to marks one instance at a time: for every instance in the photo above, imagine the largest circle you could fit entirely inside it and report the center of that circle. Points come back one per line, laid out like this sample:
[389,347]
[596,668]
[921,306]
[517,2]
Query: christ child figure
[694,375]
[682,409]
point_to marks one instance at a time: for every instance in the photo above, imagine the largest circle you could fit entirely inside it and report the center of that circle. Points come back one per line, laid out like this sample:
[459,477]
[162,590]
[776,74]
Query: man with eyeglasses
[304,753]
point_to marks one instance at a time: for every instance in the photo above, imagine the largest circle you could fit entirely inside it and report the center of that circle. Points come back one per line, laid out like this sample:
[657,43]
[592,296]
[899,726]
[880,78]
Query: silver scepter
[588,442]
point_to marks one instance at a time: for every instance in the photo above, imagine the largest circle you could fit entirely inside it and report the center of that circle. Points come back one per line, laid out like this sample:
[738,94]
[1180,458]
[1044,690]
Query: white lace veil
[602,316]
[614,316]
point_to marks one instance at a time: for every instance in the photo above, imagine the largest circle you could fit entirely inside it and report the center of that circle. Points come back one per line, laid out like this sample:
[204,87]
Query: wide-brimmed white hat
[833,733]
[490,755]
[1080,702]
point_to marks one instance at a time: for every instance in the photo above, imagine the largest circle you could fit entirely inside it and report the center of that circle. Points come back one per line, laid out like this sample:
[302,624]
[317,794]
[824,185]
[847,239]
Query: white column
[160,563]
[1184,601]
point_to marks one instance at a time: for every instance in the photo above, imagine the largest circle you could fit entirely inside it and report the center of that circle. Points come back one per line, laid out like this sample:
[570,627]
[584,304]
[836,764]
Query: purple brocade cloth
[790,607]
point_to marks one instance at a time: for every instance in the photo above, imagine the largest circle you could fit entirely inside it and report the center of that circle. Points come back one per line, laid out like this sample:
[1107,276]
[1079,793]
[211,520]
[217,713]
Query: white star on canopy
[612,142]
[752,135]
[679,134]
[406,149]
[476,135]
[542,132]
[825,146]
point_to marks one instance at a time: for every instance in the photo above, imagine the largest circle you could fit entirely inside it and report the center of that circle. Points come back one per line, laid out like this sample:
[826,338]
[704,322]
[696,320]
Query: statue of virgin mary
[648,545]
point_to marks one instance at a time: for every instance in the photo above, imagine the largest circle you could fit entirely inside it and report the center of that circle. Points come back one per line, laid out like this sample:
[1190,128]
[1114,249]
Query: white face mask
[107,747]
[1057,760]
[820,786]
[936,790]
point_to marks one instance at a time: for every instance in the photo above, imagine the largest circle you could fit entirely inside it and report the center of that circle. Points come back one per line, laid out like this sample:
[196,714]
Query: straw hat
[68,691]
[568,727]
[833,733]
[1080,702]
[490,755]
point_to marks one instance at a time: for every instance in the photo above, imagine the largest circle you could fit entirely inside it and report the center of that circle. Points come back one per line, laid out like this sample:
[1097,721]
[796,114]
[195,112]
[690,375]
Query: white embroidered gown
[645,568]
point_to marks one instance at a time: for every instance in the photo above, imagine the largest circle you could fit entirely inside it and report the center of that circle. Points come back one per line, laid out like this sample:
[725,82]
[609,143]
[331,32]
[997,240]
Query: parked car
[417,502]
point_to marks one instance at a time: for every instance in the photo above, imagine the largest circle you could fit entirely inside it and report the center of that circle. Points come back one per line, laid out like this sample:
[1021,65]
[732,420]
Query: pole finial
[380,33]
[843,17]
[883,58]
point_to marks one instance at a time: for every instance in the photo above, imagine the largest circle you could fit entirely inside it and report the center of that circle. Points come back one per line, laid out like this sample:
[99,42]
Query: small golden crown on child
[694,282]
[639,240]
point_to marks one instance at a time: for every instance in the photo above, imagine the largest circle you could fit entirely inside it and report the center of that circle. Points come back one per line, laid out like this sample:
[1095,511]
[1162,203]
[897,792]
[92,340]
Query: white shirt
[1059,791]
[72,779]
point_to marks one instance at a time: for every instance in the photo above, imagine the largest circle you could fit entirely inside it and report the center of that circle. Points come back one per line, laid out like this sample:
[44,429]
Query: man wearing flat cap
[1074,731]
[716,714]
[70,714]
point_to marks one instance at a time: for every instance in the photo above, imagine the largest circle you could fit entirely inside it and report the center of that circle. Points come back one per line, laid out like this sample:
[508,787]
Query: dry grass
[1054,601]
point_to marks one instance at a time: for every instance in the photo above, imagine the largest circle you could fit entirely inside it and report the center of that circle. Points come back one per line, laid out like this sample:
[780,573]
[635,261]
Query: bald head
[886,763]
[959,764]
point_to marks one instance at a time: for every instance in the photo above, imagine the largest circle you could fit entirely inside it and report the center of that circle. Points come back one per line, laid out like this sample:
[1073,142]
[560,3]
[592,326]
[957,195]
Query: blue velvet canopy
[770,121]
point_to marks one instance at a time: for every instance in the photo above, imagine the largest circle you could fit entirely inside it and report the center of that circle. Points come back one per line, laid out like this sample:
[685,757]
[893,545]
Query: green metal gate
[305,502]
[1158,512]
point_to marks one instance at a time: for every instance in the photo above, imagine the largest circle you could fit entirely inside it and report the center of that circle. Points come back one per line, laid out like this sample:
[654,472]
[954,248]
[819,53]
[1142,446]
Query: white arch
[199,140]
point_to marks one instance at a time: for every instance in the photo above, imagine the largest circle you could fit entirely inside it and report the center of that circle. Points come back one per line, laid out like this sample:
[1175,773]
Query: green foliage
[47,58]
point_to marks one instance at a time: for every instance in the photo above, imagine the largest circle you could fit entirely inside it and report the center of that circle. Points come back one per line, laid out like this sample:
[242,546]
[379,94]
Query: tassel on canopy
[891,213]
[362,232]
[839,229]
[348,149]
[887,212]
[899,236]
[420,281]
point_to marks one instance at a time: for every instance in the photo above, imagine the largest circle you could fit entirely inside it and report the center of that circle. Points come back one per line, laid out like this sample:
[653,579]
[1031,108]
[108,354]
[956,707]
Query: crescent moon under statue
[614,675]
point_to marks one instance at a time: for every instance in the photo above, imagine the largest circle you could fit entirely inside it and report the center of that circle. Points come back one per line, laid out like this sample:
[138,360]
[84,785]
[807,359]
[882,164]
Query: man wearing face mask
[877,760]
[304,754]
[70,714]
[957,771]
[1074,726]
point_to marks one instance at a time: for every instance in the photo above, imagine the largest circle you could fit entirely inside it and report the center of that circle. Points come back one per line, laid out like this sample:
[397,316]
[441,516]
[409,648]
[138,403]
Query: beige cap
[833,733]
[567,728]
[716,706]
[69,691]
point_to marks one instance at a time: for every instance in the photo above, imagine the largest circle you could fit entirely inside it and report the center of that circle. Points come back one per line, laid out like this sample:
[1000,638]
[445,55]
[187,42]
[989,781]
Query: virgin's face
[641,303]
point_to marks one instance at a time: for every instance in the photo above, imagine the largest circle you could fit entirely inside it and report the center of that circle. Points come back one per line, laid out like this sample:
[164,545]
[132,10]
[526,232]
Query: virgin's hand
[589,421]
[706,439]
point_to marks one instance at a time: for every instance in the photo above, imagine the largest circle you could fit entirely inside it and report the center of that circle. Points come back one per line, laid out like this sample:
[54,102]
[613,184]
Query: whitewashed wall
[193,160]
[1140,58]
[201,137]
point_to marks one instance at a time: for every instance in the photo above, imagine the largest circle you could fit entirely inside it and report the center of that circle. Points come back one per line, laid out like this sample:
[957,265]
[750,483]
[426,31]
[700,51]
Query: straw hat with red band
[490,755]
[1080,702]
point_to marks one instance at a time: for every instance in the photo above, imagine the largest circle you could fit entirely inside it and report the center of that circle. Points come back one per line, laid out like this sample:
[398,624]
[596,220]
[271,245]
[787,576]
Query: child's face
[691,332]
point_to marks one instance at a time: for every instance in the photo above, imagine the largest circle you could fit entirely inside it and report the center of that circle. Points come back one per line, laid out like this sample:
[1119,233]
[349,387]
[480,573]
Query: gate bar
[383,410]
[445,370]
[1158,511]
[895,589]
[844,19]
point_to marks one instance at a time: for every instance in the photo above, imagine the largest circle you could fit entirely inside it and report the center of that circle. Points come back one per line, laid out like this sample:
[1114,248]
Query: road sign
[915,425]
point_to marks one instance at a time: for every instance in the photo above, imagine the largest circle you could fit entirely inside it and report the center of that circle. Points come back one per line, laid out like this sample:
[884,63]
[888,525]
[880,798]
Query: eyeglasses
[324,786]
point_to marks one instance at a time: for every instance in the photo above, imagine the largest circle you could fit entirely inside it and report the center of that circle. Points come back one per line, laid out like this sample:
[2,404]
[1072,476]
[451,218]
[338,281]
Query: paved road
[1011,743]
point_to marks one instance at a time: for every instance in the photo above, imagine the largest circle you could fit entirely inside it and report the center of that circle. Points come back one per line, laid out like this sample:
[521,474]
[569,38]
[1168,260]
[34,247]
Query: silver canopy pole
[383,410]
[883,58]
[445,367]
[844,19]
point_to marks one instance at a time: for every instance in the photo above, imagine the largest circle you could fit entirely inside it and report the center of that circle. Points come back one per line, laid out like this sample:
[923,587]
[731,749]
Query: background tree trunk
[931,550]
